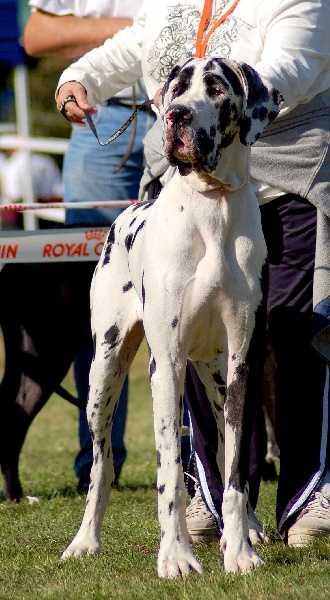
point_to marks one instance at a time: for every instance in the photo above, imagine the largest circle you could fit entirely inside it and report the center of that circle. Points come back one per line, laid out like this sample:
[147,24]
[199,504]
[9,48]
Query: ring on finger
[61,108]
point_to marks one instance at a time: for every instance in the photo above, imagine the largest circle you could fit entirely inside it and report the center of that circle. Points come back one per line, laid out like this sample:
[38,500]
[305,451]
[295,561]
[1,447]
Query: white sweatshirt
[287,41]
[89,8]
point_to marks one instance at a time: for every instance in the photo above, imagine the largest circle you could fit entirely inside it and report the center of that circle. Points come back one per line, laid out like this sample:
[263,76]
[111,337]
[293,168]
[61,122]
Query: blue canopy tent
[13,15]
[11,52]
[12,56]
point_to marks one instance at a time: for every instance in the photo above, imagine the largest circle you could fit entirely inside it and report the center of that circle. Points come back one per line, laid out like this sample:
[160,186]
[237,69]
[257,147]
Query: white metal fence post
[22,104]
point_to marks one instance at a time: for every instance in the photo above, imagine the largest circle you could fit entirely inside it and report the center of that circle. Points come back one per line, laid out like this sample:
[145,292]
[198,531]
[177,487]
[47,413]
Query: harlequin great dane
[187,271]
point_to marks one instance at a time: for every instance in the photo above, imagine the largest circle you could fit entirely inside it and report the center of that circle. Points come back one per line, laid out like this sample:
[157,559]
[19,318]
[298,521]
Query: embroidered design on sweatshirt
[176,41]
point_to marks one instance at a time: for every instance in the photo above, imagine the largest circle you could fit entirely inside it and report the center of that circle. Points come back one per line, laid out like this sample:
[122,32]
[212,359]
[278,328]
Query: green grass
[33,536]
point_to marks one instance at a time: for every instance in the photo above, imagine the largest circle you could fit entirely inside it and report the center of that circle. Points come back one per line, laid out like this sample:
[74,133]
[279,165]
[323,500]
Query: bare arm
[68,36]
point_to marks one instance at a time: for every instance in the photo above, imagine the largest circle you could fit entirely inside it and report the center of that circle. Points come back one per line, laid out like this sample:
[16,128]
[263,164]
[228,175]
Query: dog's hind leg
[239,556]
[117,334]
[210,374]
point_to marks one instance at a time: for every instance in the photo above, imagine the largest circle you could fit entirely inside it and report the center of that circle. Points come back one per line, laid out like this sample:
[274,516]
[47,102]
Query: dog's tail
[63,393]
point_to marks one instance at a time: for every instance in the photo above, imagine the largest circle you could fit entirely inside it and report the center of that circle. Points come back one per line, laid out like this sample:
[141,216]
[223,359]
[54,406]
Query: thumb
[81,98]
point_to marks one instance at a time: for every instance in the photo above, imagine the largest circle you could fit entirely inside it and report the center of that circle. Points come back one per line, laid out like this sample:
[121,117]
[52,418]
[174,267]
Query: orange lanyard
[203,36]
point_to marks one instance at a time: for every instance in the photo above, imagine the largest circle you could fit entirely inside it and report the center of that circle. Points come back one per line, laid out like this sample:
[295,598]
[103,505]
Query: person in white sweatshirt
[287,42]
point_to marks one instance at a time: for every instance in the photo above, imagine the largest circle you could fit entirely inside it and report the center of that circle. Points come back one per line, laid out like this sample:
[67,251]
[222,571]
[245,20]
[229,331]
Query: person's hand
[71,101]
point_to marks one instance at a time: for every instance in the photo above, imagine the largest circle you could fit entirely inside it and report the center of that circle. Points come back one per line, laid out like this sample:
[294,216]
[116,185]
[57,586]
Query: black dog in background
[44,317]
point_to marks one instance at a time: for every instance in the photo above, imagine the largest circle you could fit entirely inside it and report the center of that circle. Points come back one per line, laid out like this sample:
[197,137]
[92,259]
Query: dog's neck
[231,174]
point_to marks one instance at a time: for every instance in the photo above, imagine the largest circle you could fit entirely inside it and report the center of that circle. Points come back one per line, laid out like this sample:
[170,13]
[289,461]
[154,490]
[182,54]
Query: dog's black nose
[179,115]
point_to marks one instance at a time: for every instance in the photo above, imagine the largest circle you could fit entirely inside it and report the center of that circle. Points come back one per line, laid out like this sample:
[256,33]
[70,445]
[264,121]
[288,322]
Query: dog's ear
[262,105]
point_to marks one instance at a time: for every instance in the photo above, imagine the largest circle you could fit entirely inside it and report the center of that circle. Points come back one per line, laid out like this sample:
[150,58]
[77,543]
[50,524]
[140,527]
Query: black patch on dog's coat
[232,78]
[236,396]
[226,140]
[170,508]
[102,444]
[204,142]
[140,227]
[245,127]
[175,71]
[152,367]
[260,112]
[183,83]
[143,292]
[146,205]
[174,322]
[94,345]
[184,168]
[161,488]
[258,93]
[127,286]
[225,115]
[237,417]
[128,241]
[158,459]
[109,243]
[111,337]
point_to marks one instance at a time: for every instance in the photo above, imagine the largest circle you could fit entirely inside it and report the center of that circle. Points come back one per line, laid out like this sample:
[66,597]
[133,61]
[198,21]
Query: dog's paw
[257,534]
[32,500]
[176,561]
[80,547]
[243,561]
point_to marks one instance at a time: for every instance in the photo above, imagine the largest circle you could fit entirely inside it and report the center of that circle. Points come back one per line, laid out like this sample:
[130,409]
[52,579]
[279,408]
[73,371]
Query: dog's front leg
[239,556]
[117,334]
[175,556]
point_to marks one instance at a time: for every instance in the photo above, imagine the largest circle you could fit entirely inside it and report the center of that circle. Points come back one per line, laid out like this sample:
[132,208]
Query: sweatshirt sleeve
[113,66]
[54,7]
[296,46]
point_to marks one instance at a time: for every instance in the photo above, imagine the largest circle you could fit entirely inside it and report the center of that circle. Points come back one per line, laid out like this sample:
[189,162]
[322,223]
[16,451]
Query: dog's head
[206,103]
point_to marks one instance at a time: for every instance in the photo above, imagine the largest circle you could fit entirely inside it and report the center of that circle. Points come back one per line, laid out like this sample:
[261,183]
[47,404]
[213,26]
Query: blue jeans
[89,175]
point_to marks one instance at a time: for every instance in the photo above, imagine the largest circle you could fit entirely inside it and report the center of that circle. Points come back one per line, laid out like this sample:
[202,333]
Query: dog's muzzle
[179,135]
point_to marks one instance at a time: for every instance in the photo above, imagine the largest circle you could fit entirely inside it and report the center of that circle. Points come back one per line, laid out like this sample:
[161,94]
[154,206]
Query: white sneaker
[314,519]
[201,523]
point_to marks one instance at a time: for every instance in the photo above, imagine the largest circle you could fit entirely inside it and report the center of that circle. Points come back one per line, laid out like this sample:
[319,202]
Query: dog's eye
[217,90]
[215,85]
[175,89]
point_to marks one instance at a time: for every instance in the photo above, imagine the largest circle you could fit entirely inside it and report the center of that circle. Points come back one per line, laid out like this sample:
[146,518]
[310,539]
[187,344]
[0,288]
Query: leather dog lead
[203,36]
[122,128]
